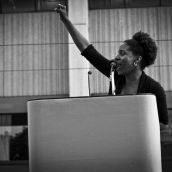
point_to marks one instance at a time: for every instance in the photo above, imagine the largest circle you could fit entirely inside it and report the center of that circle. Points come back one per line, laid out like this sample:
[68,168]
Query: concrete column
[78,65]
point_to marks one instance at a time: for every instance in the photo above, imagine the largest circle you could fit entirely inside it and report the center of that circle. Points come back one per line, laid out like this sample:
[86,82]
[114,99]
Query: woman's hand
[61,9]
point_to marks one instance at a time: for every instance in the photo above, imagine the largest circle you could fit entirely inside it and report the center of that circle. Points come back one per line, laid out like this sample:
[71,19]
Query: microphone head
[89,72]
[113,65]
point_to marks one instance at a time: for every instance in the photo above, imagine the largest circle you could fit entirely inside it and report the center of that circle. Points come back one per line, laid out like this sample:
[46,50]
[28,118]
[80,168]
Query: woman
[133,56]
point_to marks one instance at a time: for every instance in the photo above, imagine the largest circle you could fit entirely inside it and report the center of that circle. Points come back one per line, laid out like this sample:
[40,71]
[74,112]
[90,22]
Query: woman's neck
[133,77]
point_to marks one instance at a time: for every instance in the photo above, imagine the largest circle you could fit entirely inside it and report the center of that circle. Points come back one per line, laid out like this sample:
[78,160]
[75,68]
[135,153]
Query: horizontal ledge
[14,162]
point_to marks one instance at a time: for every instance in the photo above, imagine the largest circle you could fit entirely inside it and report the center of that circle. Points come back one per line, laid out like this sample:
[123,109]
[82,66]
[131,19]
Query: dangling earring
[135,64]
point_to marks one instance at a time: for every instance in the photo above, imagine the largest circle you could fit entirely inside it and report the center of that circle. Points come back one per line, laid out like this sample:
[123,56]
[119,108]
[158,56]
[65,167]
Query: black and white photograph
[85,85]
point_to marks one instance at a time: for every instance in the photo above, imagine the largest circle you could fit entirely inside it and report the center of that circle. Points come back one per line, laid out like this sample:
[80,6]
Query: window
[166,2]
[49,4]
[142,3]
[19,6]
[99,4]
[13,137]
[110,4]
[117,3]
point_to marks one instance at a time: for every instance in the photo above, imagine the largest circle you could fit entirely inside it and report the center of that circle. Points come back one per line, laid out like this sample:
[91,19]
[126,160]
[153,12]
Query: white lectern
[94,134]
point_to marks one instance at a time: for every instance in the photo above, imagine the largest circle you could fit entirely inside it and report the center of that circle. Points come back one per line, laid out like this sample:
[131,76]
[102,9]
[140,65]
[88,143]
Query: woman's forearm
[80,41]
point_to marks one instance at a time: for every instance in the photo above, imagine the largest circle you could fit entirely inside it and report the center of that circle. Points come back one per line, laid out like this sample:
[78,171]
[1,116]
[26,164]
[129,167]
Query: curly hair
[142,44]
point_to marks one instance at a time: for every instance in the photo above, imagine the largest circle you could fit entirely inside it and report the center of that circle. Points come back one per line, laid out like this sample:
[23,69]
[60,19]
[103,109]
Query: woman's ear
[138,59]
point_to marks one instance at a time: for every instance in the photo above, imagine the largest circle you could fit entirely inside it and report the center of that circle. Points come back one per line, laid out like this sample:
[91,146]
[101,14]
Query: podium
[94,134]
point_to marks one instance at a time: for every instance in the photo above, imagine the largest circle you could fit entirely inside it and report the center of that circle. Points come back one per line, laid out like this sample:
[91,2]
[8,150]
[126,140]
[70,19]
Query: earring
[135,64]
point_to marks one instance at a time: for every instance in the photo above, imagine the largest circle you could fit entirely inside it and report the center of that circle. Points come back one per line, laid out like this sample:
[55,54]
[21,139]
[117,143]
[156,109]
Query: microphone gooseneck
[112,71]
[89,89]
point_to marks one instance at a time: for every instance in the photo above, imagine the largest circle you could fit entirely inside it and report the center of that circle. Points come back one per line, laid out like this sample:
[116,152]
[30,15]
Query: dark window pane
[142,3]
[12,6]
[106,4]
[47,5]
[19,146]
[13,143]
[117,3]
[166,2]
[13,119]
[13,136]
[99,4]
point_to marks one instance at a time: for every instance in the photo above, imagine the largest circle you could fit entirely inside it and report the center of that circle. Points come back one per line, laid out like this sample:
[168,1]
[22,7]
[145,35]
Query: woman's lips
[118,67]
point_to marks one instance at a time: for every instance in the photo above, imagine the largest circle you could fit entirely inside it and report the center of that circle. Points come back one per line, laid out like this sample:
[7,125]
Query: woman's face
[124,60]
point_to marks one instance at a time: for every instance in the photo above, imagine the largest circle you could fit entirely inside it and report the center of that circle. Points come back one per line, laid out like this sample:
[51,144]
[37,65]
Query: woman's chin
[119,72]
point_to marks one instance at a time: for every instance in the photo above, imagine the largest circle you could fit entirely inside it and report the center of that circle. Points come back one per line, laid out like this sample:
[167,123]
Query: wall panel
[165,52]
[1,29]
[120,24]
[39,82]
[34,28]
[31,57]
[149,21]
[1,58]
[34,55]
[164,17]
[153,71]
[164,79]
[1,83]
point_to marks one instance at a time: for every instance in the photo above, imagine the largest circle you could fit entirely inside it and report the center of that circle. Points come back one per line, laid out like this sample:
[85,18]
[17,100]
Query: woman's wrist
[63,16]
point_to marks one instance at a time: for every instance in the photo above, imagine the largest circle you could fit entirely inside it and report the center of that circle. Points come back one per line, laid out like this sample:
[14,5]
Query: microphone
[112,71]
[89,89]
[113,65]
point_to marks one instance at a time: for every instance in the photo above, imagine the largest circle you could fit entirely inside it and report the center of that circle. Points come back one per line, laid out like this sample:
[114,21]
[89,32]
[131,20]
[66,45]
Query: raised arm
[80,41]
